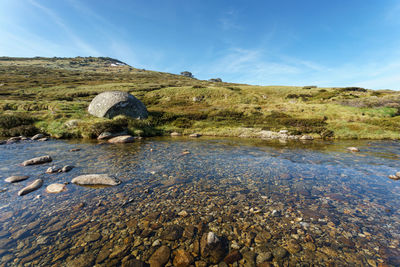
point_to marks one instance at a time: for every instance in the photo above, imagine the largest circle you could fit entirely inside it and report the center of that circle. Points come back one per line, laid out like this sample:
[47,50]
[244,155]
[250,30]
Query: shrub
[225,114]
[237,89]
[302,96]
[326,134]
[198,86]
[25,130]
[183,123]
[11,121]
[215,80]
[353,89]
[309,86]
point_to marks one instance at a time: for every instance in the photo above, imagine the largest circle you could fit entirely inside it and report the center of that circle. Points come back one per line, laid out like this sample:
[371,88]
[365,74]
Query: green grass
[53,91]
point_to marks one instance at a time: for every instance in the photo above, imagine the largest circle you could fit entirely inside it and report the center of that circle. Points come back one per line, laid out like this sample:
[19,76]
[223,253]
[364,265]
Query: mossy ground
[51,95]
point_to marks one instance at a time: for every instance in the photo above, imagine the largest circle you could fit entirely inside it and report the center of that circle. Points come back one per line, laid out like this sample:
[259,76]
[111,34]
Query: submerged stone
[32,187]
[95,179]
[55,188]
[122,139]
[16,179]
[353,149]
[160,257]
[38,160]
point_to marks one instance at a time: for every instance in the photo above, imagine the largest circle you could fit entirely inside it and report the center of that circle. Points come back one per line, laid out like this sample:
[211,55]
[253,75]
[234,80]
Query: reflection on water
[314,203]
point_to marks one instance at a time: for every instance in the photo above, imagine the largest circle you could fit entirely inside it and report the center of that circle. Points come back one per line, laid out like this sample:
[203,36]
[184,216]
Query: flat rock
[175,134]
[95,179]
[38,160]
[353,149]
[122,139]
[195,135]
[55,188]
[113,103]
[32,187]
[38,136]
[306,137]
[16,179]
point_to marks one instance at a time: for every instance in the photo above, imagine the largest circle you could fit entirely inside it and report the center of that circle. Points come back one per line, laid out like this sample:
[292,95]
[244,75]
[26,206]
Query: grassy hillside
[51,95]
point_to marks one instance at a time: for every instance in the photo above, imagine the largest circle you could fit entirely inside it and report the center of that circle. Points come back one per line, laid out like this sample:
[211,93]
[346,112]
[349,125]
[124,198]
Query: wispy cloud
[257,66]
[76,40]
[228,20]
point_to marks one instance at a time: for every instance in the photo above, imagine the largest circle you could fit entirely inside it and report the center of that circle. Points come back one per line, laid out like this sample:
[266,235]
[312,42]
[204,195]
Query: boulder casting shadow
[113,103]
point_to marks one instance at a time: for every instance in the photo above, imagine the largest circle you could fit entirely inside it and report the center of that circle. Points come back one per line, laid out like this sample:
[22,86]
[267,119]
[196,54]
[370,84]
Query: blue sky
[270,42]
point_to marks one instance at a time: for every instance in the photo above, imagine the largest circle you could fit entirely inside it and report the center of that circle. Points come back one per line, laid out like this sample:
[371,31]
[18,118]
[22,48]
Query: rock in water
[55,188]
[32,187]
[213,248]
[66,168]
[175,134]
[16,179]
[195,135]
[182,258]
[306,137]
[353,149]
[122,139]
[38,136]
[279,253]
[38,160]
[95,179]
[105,136]
[114,103]
[160,257]
[394,177]
[53,169]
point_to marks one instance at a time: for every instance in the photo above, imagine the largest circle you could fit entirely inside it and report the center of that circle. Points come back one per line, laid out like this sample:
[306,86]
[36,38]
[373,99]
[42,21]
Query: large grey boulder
[114,103]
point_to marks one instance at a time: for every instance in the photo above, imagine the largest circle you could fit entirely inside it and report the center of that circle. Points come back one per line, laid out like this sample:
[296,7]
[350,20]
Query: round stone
[113,103]
[55,188]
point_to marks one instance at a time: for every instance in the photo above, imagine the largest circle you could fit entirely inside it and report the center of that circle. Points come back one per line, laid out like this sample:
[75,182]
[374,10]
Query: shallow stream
[277,203]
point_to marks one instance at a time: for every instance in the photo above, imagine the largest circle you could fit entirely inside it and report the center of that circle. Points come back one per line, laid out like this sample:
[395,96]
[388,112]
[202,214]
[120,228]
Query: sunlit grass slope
[51,95]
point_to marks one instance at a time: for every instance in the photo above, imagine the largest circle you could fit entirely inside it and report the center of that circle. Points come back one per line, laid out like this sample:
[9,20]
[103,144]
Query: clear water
[319,193]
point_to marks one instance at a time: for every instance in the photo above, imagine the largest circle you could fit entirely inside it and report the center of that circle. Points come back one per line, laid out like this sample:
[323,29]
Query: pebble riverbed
[204,202]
